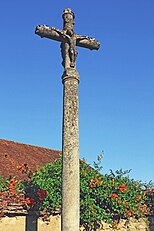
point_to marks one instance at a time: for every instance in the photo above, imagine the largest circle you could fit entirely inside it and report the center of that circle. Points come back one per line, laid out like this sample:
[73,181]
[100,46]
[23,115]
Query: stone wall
[29,223]
[34,223]
[132,225]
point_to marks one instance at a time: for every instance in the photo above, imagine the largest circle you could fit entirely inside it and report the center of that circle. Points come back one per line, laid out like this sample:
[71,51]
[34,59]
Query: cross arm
[51,33]
[61,36]
[87,42]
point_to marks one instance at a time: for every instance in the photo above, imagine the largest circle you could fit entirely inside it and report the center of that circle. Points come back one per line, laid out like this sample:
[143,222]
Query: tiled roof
[13,154]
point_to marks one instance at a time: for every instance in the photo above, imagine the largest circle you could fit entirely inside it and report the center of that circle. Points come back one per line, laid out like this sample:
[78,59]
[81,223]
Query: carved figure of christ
[69,40]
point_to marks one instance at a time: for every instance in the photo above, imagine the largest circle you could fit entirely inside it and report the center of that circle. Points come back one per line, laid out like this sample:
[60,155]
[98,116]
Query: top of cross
[69,11]
[69,40]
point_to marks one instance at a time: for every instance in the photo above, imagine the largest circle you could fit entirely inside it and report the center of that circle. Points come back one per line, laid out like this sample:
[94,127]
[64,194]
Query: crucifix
[70,135]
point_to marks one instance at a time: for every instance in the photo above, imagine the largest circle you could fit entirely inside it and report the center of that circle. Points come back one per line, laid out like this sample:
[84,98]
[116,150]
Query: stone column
[70,153]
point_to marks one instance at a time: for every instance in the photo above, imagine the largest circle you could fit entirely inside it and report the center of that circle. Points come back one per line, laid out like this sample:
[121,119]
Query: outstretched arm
[87,42]
[51,33]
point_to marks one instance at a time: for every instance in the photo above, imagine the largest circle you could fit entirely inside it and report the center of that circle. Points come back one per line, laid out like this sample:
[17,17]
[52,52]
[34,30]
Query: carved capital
[70,73]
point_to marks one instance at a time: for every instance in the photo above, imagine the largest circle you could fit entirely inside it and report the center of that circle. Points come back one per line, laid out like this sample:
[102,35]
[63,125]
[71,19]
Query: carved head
[68,11]
[68,17]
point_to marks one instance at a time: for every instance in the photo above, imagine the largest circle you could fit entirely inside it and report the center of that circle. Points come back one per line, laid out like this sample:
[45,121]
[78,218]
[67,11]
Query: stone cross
[70,136]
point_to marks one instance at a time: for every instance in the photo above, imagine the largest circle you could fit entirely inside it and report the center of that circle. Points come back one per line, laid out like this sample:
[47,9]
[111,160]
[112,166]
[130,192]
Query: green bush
[108,197]
[49,179]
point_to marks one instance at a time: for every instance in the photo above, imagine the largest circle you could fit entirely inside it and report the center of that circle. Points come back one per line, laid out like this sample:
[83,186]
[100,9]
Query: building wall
[33,223]
[29,223]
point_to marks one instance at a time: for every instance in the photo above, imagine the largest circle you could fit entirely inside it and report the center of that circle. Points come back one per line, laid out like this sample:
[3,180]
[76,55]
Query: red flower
[138,197]
[12,181]
[98,179]
[114,195]
[46,193]
[30,201]
[148,191]
[122,187]
[13,191]
[27,200]
[41,198]
[38,193]
[42,193]
[11,186]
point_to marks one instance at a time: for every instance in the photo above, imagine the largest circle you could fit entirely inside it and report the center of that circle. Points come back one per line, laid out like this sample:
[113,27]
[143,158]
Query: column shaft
[70,152]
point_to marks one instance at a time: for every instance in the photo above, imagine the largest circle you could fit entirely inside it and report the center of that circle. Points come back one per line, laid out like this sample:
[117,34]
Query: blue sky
[116,89]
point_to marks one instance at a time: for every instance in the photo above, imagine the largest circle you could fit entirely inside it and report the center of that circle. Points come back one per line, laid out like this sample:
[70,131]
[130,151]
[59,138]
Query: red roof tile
[13,154]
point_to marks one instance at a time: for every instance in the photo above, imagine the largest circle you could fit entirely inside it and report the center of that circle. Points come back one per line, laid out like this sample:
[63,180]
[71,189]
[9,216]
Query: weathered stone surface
[70,150]
[13,223]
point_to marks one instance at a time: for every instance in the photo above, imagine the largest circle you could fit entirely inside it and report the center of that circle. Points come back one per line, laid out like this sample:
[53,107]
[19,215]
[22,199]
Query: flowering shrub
[48,179]
[108,197]
[111,197]
[10,194]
